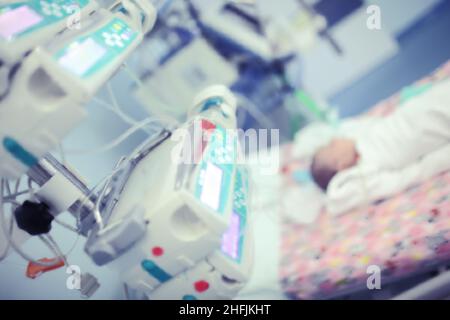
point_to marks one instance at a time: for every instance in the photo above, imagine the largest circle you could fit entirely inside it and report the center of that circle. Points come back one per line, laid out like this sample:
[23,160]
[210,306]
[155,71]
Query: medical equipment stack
[172,218]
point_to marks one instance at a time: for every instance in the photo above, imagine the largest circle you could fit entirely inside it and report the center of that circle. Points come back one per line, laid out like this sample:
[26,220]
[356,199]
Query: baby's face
[339,154]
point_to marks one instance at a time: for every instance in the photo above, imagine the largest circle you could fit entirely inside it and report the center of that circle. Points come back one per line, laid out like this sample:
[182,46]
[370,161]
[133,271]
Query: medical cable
[116,106]
[118,140]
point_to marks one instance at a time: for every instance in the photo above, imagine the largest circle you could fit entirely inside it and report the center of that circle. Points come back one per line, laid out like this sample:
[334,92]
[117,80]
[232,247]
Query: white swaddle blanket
[405,148]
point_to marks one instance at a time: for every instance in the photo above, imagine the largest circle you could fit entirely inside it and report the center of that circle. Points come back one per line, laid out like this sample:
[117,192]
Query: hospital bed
[407,236]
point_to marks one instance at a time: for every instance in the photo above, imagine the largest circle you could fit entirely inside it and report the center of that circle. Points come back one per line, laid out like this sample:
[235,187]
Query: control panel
[24,25]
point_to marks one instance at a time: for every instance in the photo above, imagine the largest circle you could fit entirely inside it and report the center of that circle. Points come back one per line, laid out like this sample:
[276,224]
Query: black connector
[34,218]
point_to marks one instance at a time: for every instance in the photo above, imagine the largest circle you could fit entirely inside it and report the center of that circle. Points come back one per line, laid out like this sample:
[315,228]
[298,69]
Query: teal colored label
[233,240]
[302,176]
[411,92]
[155,271]
[212,103]
[19,152]
[218,159]
[240,192]
[89,54]
[33,15]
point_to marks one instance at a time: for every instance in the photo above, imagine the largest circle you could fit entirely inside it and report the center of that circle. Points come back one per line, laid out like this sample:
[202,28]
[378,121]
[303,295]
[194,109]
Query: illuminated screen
[212,184]
[82,56]
[17,20]
[230,240]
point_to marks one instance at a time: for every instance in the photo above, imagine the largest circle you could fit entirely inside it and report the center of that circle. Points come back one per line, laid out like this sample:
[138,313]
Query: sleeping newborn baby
[383,156]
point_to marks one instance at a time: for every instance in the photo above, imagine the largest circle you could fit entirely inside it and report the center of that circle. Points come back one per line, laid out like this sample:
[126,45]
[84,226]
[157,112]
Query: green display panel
[234,237]
[89,54]
[23,18]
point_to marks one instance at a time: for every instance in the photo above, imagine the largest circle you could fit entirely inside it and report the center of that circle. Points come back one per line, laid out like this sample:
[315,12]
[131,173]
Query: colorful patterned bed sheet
[404,234]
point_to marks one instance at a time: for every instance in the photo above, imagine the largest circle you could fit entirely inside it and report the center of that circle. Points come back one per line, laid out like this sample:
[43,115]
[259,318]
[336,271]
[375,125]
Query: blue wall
[423,48]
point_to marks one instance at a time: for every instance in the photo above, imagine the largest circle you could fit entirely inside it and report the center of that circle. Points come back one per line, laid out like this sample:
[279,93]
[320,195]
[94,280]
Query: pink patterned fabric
[401,235]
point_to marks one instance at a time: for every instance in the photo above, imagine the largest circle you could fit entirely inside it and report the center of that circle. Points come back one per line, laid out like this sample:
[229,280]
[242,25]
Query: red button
[158,251]
[207,125]
[201,286]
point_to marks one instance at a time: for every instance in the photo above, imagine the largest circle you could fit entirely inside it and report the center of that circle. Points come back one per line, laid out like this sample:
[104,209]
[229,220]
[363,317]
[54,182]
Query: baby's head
[338,155]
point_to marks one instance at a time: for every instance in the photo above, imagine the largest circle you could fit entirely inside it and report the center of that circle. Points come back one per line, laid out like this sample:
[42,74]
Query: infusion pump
[173,218]
[185,235]
[44,91]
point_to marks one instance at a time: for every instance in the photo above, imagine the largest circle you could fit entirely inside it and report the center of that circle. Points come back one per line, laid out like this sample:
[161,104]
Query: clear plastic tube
[51,247]
[116,106]
[65,225]
[8,243]
[118,140]
[110,108]
[56,249]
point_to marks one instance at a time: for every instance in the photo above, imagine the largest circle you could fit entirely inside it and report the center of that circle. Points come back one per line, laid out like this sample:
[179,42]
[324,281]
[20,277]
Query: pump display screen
[212,182]
[100,50]
[231,239]
[82,56]
[16,21]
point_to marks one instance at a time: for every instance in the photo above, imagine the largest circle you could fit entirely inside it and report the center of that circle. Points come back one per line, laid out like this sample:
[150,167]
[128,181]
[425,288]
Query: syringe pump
[223,273]
[182,211]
